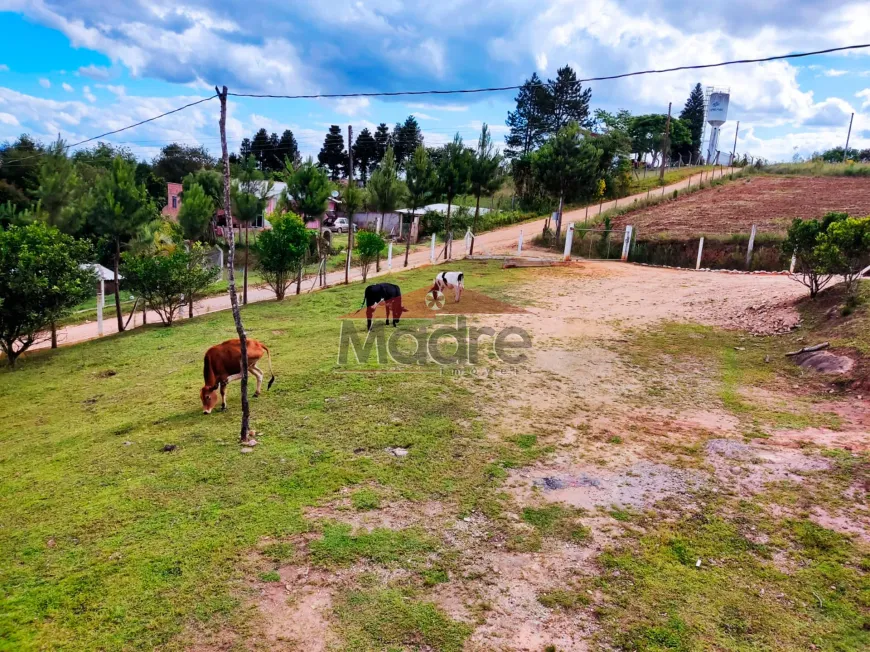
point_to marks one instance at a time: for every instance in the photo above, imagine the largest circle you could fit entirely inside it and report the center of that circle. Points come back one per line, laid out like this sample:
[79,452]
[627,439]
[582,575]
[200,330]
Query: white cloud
[90,97]
[833,72]
[865,95]
[95,72]
[425,106]
[4,67]
[67,87]
[424,116]
[351,106]
[44,83]
[9,119]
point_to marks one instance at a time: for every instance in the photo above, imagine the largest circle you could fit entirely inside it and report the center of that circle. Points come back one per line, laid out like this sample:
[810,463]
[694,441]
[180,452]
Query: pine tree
[333,155]
[530,122]
[484,174]
[288,148]
[365,152]
[260,148]
[693,114]
[569,101]
[271,161]
[406,138]
[245,148]
[382,139]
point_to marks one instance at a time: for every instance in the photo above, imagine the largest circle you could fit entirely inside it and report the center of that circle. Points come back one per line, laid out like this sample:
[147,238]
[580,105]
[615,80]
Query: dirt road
[492,242]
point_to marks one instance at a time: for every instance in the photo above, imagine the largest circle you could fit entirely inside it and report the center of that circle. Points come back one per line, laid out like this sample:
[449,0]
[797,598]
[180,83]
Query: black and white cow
[450,280]
[388,294]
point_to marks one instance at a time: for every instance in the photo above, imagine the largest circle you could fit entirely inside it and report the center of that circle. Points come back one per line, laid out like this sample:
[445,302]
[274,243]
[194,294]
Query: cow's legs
[387,306]
[258,374]
[223,387]
[457,293]
[370,310]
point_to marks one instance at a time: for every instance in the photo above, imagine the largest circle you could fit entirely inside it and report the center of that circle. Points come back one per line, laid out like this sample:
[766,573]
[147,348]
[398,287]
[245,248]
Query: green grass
[557,521]
[365,499]
[737,599]
[650,180]
[110,545]
[819,169]
[567,599]
[339,547]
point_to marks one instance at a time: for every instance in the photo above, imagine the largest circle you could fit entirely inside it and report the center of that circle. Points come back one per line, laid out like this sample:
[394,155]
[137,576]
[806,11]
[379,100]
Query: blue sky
[82,67]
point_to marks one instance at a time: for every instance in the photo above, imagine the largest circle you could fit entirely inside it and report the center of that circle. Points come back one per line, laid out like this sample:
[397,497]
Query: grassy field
[108,542]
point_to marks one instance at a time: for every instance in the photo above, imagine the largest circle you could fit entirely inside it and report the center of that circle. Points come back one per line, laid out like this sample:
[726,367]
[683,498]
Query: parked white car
[337,225]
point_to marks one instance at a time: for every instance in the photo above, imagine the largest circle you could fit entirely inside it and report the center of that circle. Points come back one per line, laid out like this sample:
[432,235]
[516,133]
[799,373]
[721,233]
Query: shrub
[844,248]
[801,243]
[280,252]
[369,245]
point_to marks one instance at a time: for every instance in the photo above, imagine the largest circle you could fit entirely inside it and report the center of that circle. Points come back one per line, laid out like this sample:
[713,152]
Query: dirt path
[487,243]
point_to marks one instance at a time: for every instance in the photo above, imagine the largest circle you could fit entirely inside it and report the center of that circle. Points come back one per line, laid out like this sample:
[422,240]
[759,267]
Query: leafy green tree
[421,182]
[167,281]
[845,249]
[352,201]
[156,186]
[370,246]
[41,280]
[308,191]
[176,161]
[11,216]
[565,163]
[19,171]
[248,198]
[385,189]
[485,173]
[382,142]
[606,122]
[453,173]
[200,274]
[93,163]
[801,242]
[117,208]
[196,213]
[332,155]
[531,121]
[288,149]
[570,103]
[212,184]
[693,115]
[365,154]
[280,251]
[648,131]
[59,190]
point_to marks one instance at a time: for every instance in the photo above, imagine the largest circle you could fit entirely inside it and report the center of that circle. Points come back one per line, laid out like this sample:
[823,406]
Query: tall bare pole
[350,215]
[734,149]
[848,136]
[234,299]
[666,144]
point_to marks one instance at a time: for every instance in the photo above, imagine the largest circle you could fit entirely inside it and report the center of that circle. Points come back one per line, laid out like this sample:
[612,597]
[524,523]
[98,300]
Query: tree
[607,122]
[117,209]
[453,171]
[308,190]
[693,115]
[59,189]
[200,274]
[19,171]
[370,246]
[40,281]
[248,198]
[801,242]
[485,173]
[382,141]
[421,183]
[845,249]
[648,131]
[530,122]
[385,189]
[260,148]
[365,154]
[333,155]
[166,281]
[280,251]
[288,149]
[245,149]
[11,216]
[196,213]
[564,163]
[176,161]
[570,103]
[406,138]
[154,185]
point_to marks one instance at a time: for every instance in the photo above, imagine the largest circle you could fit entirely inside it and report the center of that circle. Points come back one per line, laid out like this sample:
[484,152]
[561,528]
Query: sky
[79,68]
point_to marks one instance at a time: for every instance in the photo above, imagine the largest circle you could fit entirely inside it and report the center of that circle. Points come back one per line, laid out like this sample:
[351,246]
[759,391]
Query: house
[173,200]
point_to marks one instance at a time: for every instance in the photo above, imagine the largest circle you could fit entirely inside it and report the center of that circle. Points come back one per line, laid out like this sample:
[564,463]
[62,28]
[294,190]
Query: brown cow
[223,363]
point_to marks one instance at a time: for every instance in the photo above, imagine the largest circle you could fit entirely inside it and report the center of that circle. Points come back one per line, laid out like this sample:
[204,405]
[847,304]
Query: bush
[369,245]
[812,265]
[280,252]
[844,248]
[40,281]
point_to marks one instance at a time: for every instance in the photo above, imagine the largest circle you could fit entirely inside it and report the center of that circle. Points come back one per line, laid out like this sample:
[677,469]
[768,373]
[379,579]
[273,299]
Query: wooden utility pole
[734,149]
[234,299]
[848,136]
[666,144]
[350,216]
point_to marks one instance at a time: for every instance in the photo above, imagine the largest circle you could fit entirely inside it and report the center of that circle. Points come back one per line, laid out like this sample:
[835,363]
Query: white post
[569,240]
[751,245]
[467,240]
[390,257]
[101,300]
[700,252]
[520,243]
[793,261]
[432,252]
[626,242]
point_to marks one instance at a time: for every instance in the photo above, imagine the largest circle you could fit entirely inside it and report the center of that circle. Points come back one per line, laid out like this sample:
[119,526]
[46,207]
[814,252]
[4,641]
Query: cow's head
[397,313]
[208,396]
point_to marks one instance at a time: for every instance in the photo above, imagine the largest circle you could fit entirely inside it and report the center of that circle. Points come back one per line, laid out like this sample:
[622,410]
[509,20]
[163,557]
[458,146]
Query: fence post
[432,252]
[791,266]
[101,300]
[390,257]
[586,217]
[626,243]
[700,252]
[749,249]
[520,243]
[569,240]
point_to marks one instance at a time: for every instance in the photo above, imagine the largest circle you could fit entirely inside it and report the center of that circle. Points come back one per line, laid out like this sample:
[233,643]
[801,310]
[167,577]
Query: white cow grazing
[450,280]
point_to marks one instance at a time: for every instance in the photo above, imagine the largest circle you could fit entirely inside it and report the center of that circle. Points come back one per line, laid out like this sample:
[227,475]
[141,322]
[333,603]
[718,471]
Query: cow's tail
[272,379]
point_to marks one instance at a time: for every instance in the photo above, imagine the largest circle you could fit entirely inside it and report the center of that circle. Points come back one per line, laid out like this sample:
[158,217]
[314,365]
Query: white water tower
[716,114]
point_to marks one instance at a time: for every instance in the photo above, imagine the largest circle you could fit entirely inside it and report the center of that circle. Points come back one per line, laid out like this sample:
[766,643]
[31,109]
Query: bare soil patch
[768,202]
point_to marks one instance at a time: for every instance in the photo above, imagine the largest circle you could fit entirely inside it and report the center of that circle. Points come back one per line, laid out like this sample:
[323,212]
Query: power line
[494,89]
